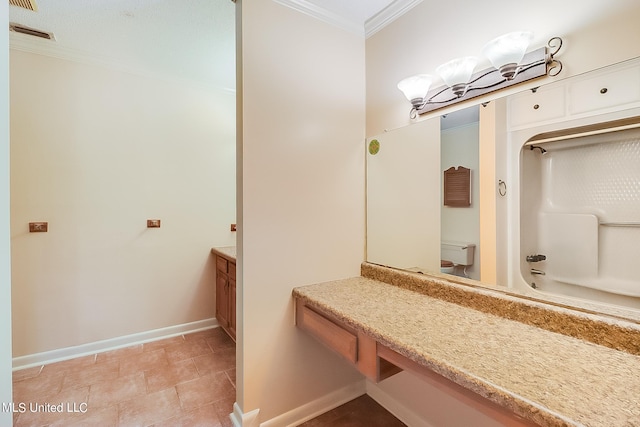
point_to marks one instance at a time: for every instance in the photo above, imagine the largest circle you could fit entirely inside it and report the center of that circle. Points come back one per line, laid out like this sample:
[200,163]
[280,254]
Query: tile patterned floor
[360,412]
[182,381]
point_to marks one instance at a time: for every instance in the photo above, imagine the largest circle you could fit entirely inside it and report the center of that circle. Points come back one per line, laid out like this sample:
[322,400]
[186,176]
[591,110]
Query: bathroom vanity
[525,362]
[225,259]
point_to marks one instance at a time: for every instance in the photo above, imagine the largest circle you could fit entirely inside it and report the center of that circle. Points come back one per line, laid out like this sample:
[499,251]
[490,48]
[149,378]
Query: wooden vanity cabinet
[226,294]
[232,300]
[378,362]
[356,347]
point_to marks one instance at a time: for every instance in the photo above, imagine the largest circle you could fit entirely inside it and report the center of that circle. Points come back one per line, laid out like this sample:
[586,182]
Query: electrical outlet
[233,227]
[153,223]
[38,227]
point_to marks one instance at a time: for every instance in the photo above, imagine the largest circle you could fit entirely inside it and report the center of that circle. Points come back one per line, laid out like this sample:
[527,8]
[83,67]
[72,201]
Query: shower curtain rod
[583,131]
[620,224]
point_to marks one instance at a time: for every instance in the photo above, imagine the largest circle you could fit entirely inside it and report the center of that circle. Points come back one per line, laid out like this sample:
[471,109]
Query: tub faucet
[540,272]
[535,258]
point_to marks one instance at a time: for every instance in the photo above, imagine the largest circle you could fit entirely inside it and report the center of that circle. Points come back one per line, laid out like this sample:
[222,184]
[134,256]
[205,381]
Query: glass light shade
[415,87]
[457,71]
[508,48]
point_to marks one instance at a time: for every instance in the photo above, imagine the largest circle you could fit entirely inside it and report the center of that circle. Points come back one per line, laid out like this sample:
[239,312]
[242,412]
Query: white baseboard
[394,406]
[317,407]
[240,419]
[66,353]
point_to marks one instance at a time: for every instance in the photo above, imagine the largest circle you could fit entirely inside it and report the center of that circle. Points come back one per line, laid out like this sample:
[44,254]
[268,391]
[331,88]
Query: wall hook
[502,188]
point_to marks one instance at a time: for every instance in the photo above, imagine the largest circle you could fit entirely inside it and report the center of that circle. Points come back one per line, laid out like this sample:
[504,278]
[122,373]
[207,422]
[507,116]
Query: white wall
[96,152]
[302,192]
[429,402]
[6,418]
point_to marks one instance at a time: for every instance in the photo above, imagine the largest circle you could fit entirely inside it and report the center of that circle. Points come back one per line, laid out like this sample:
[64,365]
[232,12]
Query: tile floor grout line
[115,406]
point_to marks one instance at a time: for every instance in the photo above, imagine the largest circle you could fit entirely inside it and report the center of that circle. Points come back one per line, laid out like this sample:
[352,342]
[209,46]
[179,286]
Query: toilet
[453,254]
[447,266]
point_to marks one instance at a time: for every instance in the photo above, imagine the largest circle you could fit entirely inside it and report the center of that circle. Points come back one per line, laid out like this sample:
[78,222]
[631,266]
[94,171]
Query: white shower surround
[588,187]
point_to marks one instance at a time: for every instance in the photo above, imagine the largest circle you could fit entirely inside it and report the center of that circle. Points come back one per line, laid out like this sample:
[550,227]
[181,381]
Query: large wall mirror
[419,220]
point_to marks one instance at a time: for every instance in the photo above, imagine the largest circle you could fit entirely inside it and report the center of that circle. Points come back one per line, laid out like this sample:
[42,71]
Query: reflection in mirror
[460,222]
[580,206]
[525,225]
[403,181]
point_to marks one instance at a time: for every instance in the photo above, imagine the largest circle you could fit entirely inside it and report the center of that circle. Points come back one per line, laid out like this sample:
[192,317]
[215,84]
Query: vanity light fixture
[415,87]
[506,52]
[457,74]
[511,65]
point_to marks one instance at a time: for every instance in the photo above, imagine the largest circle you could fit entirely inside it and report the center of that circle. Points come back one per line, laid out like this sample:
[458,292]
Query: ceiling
[190,40]
[184,39]
[355,11]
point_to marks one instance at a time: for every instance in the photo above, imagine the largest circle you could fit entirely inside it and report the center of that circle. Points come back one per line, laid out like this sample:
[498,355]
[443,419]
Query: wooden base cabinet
[226,294]
[378,362]
[355,346]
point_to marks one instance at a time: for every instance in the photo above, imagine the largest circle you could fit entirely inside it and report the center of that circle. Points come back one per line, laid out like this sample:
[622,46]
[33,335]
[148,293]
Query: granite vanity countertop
[228,252]
[546,377]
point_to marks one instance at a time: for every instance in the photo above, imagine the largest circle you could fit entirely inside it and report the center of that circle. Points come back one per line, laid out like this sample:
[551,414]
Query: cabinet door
[232,308]
[529,108]
[222,299]
[606,90]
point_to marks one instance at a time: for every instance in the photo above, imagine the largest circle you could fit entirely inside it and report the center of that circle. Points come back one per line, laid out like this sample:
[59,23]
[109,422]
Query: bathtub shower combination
[580,215]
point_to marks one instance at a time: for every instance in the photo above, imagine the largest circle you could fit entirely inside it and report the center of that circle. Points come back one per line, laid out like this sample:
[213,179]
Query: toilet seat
[447,267]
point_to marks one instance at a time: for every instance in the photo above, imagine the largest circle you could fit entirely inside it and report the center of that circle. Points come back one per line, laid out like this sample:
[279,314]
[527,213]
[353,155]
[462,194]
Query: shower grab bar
[620,224]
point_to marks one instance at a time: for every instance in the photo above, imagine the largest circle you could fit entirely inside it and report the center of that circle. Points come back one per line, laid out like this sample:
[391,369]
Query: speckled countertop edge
[228,252]
[608,331]
[548,365]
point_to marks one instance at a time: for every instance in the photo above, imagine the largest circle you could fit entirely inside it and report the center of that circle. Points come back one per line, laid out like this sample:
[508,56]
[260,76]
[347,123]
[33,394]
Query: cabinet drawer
[536,107]
[607,90]
[221,264]
[333,335]
[232,270]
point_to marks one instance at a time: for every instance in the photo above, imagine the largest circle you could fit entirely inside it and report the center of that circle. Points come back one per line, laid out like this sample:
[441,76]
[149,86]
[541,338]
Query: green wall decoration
[374,147]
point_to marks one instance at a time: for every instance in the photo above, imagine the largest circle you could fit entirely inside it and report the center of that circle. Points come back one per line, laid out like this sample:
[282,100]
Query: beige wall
[6,418]
[96,152]
[595,34]
[302,155]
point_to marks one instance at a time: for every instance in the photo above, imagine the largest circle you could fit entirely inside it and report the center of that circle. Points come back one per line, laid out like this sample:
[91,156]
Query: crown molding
[323,15]
[374,24]
[50,48]
[388,15]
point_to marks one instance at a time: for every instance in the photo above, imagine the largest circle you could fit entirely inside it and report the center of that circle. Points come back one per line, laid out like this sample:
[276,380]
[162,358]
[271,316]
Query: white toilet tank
[459,253]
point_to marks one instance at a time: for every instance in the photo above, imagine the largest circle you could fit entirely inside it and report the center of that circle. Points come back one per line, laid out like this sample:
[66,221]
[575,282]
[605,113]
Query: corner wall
[302,197]
[6,418]
[96,152]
